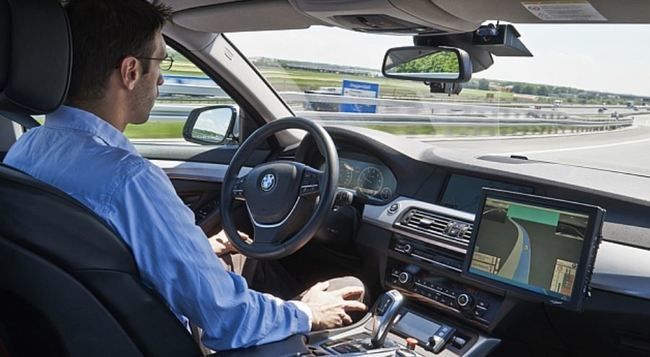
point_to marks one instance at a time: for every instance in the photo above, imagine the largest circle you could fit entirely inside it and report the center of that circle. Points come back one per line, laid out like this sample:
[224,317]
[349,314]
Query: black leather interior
[5,30]
[44,230]
[35,56]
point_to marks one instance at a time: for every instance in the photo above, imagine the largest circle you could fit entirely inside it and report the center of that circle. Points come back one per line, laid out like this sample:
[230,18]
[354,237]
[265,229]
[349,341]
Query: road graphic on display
[517,265]
[530,247]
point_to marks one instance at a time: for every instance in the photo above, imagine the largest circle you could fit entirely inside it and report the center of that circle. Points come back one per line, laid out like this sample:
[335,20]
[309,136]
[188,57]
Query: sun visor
[384,16]
[556,11]
[255,15]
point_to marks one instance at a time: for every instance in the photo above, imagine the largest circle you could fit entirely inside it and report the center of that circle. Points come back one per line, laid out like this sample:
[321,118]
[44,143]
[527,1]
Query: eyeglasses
[165,63]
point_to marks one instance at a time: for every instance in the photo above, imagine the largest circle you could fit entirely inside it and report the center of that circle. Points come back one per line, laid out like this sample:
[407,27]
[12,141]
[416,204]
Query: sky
[608,58]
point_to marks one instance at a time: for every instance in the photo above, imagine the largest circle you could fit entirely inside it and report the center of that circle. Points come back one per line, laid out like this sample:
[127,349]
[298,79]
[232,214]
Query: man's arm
[175,258]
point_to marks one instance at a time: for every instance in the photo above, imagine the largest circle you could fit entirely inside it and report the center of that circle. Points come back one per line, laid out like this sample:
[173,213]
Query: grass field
[155,130]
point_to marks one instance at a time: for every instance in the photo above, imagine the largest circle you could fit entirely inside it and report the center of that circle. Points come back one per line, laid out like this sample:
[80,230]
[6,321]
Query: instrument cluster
[367,176]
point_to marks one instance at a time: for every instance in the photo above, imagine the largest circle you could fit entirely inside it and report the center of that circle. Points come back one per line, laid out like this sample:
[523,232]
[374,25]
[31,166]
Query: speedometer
[370,181]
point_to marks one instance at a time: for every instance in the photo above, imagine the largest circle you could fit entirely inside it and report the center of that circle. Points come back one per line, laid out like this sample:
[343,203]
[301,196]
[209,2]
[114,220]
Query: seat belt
[23,119]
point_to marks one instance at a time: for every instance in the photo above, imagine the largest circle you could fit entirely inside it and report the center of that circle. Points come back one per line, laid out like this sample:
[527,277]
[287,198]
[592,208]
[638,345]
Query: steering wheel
[279,195]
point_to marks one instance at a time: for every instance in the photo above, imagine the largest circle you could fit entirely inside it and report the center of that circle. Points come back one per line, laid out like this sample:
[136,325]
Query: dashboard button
[465,301]
[405,278]
[393,208]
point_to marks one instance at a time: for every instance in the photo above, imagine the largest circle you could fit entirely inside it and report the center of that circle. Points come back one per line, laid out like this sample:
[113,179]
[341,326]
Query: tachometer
[370,181]
[345,174]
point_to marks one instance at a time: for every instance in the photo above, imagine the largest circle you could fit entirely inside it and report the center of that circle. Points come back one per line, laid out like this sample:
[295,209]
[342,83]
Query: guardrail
[397,119]
[394,112]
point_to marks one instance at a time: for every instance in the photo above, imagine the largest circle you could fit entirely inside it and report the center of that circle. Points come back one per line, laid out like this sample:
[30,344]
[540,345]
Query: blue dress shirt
[92,161]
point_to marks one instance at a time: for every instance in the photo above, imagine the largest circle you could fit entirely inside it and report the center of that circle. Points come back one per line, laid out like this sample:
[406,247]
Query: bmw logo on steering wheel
[268,182]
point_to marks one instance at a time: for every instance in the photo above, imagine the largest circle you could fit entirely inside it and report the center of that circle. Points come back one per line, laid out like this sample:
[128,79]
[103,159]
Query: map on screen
[531,247]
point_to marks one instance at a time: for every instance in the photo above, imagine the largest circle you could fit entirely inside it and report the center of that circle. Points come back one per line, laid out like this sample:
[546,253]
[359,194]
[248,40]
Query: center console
[394,328]
[461,275]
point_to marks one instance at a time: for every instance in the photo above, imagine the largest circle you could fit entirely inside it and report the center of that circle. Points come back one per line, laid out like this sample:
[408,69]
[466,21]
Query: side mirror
[213,125]
[429,64]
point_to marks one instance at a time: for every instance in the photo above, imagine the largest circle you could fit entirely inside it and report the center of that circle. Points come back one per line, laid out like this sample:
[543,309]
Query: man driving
[118,49]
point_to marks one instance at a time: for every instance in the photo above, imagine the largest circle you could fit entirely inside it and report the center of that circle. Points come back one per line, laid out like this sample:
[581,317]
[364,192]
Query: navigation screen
[532,247]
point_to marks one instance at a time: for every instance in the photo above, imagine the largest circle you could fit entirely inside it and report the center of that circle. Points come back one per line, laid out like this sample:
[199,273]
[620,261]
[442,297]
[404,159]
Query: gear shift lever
[383,315]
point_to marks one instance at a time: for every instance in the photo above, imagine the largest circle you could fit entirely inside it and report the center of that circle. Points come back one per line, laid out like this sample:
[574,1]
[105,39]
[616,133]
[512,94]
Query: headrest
[35,56]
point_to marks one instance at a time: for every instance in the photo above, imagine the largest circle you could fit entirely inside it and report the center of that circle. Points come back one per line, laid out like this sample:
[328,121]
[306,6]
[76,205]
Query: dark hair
[104,32]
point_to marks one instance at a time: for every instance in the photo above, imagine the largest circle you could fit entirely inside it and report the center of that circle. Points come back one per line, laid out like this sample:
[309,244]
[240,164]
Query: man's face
[146,90]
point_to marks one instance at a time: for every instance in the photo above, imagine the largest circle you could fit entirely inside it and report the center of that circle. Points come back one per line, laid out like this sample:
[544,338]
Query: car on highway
[477,164]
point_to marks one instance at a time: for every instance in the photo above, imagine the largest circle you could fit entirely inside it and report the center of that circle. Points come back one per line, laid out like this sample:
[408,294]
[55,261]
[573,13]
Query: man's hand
[329,308]
[221,245]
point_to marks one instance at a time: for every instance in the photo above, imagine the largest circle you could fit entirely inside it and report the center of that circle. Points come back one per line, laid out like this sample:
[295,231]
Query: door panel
[202,197]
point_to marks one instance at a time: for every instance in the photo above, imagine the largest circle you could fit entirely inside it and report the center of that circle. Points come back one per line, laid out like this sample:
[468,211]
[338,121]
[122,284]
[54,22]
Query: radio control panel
[459,299]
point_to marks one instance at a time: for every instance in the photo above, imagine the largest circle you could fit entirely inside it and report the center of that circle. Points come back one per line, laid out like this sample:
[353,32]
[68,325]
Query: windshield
[581,100]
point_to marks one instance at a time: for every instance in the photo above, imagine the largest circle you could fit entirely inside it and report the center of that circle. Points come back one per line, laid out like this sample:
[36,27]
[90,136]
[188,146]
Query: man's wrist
[305,309]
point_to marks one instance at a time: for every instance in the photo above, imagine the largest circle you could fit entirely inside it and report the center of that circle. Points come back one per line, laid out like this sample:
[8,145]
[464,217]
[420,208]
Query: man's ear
[130,72]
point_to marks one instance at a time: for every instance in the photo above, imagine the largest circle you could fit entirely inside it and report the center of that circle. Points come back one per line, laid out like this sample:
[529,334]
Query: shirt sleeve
[175,258]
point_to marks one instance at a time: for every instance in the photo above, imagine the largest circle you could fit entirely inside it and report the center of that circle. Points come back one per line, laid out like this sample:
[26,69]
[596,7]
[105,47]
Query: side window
[186,88]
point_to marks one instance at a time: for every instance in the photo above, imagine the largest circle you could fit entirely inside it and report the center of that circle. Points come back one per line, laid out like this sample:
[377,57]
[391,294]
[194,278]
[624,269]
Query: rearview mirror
[429,64]
[213,125]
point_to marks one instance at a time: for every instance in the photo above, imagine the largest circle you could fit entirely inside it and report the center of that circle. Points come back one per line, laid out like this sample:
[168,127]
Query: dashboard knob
[465,301]
[408,248]
[405,278]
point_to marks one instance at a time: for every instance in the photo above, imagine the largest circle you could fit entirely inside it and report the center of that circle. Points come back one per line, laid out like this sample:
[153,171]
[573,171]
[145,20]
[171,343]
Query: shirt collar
[67,117]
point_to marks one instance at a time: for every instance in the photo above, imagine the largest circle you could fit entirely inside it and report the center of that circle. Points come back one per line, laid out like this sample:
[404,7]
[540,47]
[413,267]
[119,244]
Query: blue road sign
[359,89]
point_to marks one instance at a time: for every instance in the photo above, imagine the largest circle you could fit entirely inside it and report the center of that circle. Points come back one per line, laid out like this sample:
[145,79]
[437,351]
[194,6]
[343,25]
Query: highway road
[626,150]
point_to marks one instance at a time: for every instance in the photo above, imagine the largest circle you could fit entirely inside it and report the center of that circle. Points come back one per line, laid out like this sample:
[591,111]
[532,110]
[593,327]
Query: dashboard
[421,231]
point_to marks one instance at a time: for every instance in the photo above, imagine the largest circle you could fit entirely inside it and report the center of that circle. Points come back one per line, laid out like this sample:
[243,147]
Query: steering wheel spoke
[311,182]
[267,233]
[238,191]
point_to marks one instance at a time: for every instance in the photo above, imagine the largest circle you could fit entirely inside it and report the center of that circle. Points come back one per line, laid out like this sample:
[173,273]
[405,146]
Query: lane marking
[433,139]
[577,148]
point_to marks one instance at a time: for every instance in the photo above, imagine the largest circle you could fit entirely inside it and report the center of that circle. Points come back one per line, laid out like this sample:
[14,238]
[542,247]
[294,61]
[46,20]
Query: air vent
[436,226]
